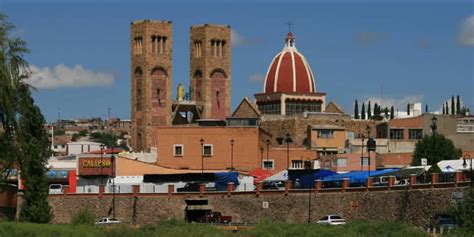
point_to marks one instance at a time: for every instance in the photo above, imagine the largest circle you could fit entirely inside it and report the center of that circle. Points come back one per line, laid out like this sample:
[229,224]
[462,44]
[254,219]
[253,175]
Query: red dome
[289,71]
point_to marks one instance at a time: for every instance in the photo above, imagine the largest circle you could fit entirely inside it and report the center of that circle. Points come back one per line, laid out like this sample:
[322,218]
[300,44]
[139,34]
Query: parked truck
[214,217]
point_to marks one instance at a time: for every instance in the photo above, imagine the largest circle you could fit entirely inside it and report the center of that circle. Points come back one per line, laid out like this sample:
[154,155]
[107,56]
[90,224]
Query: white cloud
[236,38]
[466,35]
[63,76]
[400,103]
[257,77]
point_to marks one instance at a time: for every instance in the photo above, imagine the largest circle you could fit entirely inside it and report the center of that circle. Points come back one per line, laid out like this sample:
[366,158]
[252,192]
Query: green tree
[408,109]
[464,212]
[444,109]
[356,110]
[369,111]
[458,105]
[392,112]
[453,109]
[34,153]
[23,140]
[426,108]
[435,148]
[362,115]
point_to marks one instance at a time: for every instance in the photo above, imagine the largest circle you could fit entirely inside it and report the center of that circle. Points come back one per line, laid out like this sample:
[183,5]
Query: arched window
[213,47]
[138,88]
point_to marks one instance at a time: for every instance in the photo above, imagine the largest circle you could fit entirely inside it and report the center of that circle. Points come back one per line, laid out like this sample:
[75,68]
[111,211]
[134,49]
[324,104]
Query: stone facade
[414,206]
[297,125]
[210,58]
[151,73]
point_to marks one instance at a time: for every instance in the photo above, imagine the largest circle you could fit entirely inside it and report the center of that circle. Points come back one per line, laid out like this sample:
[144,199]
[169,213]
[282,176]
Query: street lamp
[268,149]
[288,140]
[464,164]
[232,155]
[309,196]
[368,148]
[101,162]
[261,158]
[113,181]
[202,155]
[362,152]
[433,125]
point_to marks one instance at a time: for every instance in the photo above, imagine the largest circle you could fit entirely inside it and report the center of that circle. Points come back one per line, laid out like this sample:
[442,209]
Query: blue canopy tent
[223,178]
[356,177]
[306,178]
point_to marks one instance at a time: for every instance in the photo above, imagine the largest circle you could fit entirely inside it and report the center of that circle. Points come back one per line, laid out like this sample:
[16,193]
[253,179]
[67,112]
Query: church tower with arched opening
[151,73]
[210,50]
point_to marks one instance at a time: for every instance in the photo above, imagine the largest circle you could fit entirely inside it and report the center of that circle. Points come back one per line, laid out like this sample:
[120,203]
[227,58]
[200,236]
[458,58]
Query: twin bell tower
[151,44]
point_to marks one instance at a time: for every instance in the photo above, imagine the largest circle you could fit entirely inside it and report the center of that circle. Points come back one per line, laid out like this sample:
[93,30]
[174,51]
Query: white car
[107,221]
[56,189]
[331,220]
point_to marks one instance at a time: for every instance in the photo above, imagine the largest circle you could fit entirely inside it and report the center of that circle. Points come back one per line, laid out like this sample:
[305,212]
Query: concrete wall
[415,206]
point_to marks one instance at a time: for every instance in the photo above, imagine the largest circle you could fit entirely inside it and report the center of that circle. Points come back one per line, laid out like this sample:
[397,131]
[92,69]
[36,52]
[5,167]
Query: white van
[56,189]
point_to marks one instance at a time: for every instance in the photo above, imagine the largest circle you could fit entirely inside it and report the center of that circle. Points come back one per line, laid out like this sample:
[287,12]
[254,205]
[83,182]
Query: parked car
[273,185]
[214,217]
[56,189]
[383,181]
[107,221]
[193,187]
[331,220]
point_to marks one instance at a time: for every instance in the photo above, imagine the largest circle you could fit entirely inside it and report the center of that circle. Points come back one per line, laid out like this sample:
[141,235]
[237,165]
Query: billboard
[95,166]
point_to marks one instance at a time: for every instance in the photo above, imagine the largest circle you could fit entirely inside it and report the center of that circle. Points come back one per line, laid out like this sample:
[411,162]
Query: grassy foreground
[182,229]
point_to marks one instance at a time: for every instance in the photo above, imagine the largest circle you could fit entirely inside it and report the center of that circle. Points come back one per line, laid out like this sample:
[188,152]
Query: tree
[408,109]
[369,111]
[447,108]
[356,110]
[458,105]
[385,111]
[363,111]
[376,109]
[34,153]
[392,112]
[444,110]
[426,108]
[23,141]
[452,105]
[435,148]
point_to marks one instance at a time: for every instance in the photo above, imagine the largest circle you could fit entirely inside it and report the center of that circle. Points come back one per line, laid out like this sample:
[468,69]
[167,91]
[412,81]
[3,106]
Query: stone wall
[415,206]
[297,125]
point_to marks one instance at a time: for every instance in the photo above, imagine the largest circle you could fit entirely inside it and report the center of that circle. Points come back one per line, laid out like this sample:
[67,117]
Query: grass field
[182,229]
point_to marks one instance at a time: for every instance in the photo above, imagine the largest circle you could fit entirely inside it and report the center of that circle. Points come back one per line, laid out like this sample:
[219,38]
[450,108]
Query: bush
[83,217]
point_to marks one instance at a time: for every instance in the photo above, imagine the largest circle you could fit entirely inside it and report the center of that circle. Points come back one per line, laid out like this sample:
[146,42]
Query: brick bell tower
[151,73]
[210,69]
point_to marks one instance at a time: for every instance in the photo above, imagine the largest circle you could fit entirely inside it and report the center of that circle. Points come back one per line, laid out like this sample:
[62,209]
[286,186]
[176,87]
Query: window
[365,161]
[268,164]
[415,134]
[139,100]
[178,150]
[327,165]
[297,164]
[396,133]
[295,107]
[270,108]
[325,133]
[340,162]
[197,49]
[207,150]
[138,45]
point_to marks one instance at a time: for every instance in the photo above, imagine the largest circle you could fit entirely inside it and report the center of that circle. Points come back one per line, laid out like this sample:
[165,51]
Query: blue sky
[420,51]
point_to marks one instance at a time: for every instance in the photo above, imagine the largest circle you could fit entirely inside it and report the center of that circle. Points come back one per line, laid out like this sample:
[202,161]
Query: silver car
[331,220]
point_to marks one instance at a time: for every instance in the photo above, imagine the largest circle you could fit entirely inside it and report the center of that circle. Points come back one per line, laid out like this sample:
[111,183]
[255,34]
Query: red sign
[95,166]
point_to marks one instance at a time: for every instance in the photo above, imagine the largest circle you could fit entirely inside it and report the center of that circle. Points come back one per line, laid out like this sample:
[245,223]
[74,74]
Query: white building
[81,147]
